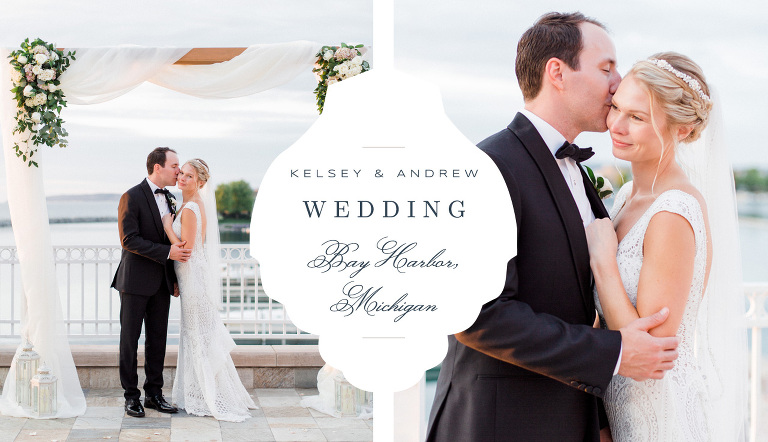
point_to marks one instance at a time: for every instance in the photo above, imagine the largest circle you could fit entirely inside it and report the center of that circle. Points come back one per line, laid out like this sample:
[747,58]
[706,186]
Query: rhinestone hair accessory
[691,82]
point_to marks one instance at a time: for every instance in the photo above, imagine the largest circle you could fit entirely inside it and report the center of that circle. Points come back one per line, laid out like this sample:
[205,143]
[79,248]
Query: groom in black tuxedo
[145,279]
[532,367]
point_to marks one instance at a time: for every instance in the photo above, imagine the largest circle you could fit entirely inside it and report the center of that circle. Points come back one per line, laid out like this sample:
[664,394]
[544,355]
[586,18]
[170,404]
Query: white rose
[22,59]
[37,69]
[357,61]
[328,55]
[28,90]
[606,185]
[47,75]
[355,70]
[54,56]
[35,117]
[16,76]
[40,58]
[343,68]
[40,99]
[52,87]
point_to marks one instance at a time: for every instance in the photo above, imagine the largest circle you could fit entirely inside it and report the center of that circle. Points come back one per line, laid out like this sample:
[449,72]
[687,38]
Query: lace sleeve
[194,208]
[687,206]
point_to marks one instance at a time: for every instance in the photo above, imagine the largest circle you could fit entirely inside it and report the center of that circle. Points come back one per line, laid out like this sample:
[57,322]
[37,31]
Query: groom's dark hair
[157,156]
[553,35]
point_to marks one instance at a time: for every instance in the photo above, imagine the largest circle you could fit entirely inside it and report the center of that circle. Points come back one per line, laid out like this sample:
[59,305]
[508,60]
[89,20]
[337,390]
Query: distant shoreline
[78,220]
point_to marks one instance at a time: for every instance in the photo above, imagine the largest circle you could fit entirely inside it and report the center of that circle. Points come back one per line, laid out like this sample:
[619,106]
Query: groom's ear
[553,73]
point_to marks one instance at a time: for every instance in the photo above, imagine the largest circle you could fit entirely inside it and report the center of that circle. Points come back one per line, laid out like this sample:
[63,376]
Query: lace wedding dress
[675,408]
[206,381]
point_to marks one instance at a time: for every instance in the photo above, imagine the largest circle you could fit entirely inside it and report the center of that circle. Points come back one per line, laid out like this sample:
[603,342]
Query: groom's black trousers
[153,312]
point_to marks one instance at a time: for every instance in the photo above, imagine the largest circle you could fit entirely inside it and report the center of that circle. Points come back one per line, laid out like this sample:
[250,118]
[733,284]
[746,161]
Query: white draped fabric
[40,307]
[257,69]
[98,75]
[101,74]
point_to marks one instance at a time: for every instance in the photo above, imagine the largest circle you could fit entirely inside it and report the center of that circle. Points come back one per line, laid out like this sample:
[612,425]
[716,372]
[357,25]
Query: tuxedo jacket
[144,264]
[531,368]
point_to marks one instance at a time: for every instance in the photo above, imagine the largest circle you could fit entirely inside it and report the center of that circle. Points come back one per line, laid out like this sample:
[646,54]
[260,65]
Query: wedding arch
[96,76]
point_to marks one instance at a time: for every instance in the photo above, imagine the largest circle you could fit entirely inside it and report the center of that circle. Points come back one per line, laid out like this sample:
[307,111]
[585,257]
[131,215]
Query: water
[95,233]
[753,230]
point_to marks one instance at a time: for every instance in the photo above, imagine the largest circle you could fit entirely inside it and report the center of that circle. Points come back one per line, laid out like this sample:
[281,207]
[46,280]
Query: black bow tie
[168,195]
[571,150]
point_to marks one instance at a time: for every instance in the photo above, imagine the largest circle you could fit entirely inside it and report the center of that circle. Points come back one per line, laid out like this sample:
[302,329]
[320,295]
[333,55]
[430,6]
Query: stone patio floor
[278,418]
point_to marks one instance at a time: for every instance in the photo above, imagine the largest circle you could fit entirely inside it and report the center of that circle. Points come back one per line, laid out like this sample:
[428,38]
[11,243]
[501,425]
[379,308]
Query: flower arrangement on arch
[334,64]
[35,72]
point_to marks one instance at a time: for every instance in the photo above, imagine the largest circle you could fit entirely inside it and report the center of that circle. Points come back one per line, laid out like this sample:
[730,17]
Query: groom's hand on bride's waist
[178,253]
[644,356]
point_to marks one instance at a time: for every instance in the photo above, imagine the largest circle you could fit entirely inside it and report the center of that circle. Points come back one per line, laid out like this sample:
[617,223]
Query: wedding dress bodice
[674,408]
[198,260]
[206,383]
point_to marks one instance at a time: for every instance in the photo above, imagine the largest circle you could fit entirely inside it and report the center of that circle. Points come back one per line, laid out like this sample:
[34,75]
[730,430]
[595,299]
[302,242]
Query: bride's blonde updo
[682,103]
[201,167]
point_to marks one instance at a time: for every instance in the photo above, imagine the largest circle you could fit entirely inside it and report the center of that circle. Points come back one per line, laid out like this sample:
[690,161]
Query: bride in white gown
[206,382]
[658,252]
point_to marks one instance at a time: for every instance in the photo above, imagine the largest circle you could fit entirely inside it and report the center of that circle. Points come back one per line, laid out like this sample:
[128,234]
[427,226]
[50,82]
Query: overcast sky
[466,47]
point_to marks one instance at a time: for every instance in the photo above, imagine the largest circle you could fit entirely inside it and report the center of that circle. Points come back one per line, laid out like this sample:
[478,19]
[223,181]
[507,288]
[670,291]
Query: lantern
[345,397]
[44,393]
[26,366]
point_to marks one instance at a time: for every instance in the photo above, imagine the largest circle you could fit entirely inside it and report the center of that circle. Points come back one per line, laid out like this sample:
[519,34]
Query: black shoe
[133,408]
[160,404]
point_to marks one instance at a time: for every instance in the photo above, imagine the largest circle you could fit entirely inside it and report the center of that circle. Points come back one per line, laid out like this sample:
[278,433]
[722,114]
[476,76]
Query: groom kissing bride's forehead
[532,366]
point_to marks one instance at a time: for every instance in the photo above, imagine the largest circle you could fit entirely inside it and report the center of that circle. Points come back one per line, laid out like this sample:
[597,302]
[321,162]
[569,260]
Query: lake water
[753,230]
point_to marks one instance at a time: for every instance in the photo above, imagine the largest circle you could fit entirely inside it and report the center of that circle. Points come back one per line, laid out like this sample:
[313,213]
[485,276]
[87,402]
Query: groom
[532,368]
[145,279]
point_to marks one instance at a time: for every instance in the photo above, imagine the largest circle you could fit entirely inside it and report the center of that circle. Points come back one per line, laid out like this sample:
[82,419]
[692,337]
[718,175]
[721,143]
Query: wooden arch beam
[198,56]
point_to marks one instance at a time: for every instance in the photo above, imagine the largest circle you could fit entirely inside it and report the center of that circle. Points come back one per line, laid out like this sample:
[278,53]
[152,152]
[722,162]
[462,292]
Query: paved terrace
[276,376]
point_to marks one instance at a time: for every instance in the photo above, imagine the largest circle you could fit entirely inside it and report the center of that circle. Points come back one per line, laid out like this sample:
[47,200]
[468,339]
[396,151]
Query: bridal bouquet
[335,64]
[35,72]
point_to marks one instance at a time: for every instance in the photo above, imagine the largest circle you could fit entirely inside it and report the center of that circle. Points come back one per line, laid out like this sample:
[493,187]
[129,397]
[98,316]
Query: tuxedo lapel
[561,194]
[598,208]
[153,208]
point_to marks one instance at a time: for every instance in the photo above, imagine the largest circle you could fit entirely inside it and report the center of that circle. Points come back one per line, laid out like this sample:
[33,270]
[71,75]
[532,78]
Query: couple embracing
[174,252]
[537,365]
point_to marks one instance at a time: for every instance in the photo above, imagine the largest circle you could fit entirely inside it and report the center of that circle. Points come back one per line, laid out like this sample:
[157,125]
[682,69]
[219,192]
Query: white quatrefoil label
[383,229]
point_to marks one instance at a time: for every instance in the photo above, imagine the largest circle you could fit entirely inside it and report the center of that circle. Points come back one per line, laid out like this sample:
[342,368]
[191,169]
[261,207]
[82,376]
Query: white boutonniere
[172,199]
[600,183]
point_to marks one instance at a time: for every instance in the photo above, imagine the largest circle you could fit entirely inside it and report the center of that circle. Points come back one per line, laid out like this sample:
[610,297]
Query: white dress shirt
[572,175]
[568,167]
[162,204]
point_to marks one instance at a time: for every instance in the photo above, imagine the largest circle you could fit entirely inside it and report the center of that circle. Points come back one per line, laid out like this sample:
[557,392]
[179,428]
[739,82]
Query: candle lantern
[27,363]
[345,397]
[44,393]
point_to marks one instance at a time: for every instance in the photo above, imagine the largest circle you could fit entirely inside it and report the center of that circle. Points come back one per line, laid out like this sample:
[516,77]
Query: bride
[667,248]
[206,381]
